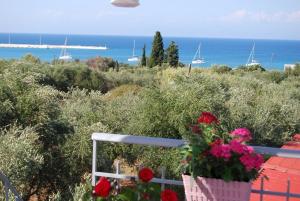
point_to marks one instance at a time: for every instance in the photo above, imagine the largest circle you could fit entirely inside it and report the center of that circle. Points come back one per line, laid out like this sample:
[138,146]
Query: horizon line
[166,36]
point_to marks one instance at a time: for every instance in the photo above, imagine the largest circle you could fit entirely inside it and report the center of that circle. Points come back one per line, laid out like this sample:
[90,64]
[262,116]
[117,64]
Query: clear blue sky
[271,19]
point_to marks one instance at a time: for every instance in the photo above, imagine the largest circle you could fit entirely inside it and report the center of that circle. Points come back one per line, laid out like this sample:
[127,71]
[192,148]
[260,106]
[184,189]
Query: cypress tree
[172,54]
[144,59]
[157,53]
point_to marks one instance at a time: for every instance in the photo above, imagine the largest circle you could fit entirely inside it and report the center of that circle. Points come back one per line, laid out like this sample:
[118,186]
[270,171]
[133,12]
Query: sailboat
[197,58]
[251,60]
[64,55]
[134,58]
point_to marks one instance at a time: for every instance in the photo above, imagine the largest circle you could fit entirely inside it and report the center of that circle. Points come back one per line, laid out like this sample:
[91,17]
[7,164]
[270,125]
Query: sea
[272,54]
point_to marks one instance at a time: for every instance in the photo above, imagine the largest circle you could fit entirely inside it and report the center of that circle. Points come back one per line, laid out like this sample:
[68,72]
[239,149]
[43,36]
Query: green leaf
[227,176]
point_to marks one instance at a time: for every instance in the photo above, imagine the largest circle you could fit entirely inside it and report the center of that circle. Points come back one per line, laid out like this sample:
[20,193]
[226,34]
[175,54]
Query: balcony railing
[9,188]
[174,143]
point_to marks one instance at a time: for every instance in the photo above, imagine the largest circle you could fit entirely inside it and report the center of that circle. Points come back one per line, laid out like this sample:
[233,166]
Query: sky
[266,19]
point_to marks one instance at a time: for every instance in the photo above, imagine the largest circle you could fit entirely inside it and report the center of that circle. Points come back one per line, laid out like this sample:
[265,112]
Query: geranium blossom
[220,151]
[102,188]
[208,118]
[145,174]
[168,195]
[196,129]
[243,134]
[252,161]
[237,147]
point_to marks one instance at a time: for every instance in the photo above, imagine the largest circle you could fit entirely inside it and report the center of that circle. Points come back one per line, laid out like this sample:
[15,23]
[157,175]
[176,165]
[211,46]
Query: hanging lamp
[125,3]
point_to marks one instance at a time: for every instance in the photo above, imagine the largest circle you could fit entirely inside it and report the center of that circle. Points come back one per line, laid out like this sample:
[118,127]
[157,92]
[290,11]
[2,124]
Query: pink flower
[220,150]
[252,161]
[243,134]
[237,147]
[249,150]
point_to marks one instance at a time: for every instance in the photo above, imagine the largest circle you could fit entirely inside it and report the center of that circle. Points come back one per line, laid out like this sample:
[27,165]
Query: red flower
[146,196]
[102,188]
[168,195]
[208,118]
[196,129]
[145,174]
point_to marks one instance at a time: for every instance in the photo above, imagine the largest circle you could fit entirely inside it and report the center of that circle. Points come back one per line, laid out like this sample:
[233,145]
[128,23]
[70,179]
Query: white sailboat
[197,58]
[134,58]
[64,55]
[251,60]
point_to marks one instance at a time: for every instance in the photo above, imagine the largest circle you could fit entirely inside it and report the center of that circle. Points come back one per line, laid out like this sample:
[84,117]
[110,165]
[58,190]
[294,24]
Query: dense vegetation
[49,111]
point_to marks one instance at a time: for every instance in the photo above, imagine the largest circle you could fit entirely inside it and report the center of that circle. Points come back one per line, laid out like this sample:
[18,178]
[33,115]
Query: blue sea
[272,54]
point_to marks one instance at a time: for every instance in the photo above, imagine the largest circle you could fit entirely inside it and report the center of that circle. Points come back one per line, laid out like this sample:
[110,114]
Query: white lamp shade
[125,3]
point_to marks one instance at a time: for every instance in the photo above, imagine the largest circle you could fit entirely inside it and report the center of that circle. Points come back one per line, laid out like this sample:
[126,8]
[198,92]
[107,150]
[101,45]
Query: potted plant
[143,190]
[218,165]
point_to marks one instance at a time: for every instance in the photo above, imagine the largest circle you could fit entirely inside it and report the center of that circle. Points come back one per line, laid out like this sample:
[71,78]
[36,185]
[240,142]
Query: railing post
[261,189]
[6,189]
[288,190]
[94,162]
[163,176]
[118,172]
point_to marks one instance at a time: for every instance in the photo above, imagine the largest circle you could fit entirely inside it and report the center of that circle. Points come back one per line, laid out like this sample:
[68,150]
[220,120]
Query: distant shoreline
[146,36]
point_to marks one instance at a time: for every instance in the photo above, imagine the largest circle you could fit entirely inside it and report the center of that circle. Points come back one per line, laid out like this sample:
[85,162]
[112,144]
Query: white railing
[8,187]
[174,143]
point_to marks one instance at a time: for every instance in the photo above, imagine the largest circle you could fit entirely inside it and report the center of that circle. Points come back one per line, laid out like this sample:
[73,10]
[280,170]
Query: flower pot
[209,189]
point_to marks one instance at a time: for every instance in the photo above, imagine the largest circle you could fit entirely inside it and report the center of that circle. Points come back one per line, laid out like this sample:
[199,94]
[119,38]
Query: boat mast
[40,39]
[63,51]
[250,56]
[133,53]
[199,51]
[9,38]
[253,52]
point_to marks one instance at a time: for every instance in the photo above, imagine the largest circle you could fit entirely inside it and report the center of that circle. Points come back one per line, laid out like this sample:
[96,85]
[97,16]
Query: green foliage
[221,69]
[122,90]
[20,157]
[144,58]
[82,77]
[157,53]
[293,72]
[63,104]
[101,63]
[172,54]
[31,59]
[251,68]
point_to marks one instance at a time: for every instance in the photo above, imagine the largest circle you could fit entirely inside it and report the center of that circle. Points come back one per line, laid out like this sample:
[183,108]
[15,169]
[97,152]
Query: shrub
[293,72]
[251,68]
[82,77]
[122,90]
[20,156]
[32,59]
[101,63]
[221,69]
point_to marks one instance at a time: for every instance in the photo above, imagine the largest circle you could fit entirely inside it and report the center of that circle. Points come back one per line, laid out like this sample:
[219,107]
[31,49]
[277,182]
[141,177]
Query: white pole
[94,163]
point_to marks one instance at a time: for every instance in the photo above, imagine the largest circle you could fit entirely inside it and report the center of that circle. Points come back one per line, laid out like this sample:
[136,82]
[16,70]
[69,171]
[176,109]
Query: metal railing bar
[8,186]
[180,183]
[155,180]
[140,140]
[175,143]
[261,194]
[288,190]
[264,192]
[286,153]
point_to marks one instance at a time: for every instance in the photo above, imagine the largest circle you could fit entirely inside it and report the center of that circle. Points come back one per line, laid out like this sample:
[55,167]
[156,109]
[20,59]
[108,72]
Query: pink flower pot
[208,189]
